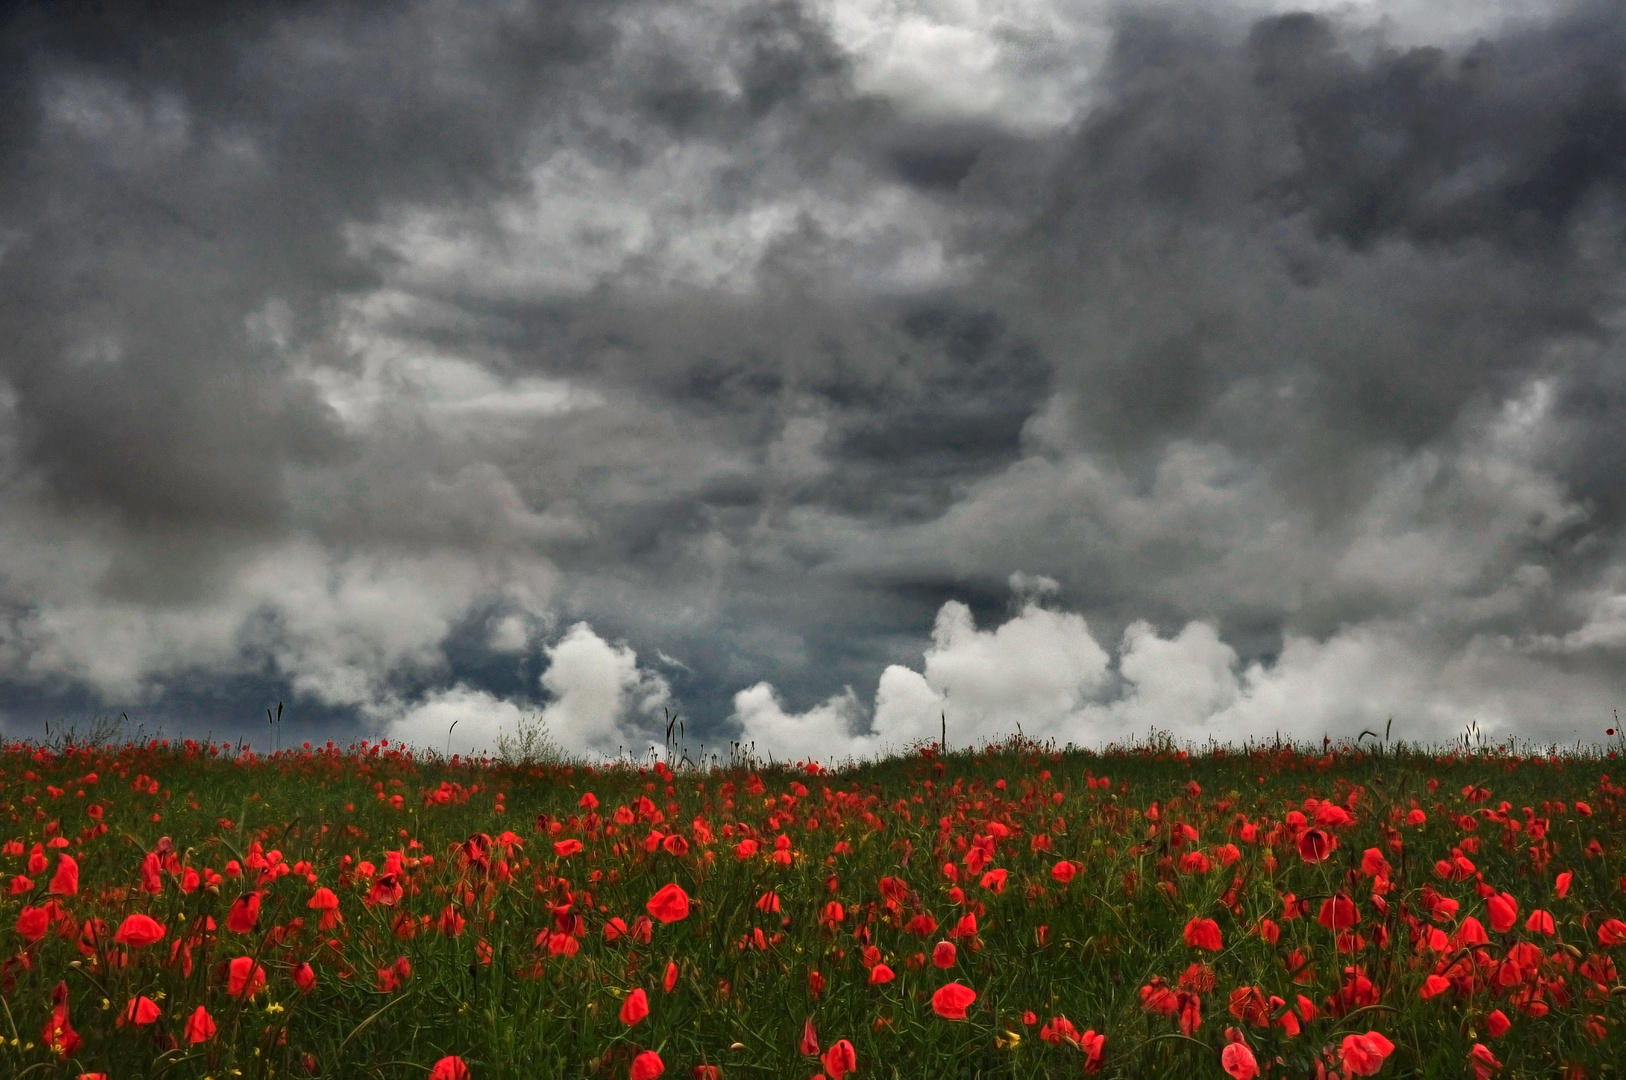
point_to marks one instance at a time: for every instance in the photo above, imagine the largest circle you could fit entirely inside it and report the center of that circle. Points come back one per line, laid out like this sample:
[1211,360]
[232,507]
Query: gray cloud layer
[1225,372]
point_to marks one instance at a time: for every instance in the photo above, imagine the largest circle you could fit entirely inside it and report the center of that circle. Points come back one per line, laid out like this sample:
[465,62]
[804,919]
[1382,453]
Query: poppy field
[190,910]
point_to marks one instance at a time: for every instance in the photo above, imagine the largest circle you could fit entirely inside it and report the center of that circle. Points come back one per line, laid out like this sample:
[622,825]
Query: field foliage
[187,910]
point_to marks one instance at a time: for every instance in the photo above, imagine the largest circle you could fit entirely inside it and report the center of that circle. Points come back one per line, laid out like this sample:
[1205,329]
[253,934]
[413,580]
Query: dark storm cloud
[1464,159]
[176,167]
[1262,239]
[354,354]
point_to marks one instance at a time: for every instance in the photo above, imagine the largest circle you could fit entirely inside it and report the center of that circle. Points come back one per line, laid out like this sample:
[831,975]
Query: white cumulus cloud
[1037,670]
[602,699]
[1042,672]
[461,720]
[601,702]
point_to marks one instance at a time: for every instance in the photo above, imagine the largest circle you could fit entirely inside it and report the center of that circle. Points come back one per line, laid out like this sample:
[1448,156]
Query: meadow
[190,910]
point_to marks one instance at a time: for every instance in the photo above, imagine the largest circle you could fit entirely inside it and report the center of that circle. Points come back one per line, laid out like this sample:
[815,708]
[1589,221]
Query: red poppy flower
[1504,912]
[1357,992]
[1338,913]
[245,978]
[1190,1007]
[1063,871]
[1203,934]
[304,977]
[943,954]
[1316,845]
[244,913]
[141,1011]
[635,1007]
[1563,884]
[1363,1055]
[32,922]
[1094,1047]
[881,974]
[1484,1062]
[1612,932]
[809,1044]
[200,1026]
[1541,922]
[707,1072]
[1238,1061]
[566,848]
[58,1034]
[1247,1003]
[1434,986]
[1198,978]
[65,882]
[1373,864]
[388,890]
[646,1066]
[840,1060]
[670,981]
[1497,1024]
[1157,997]
[669,904]
[951,1001]
[1058,1029]
[923,925]
[449,1068]
[139,930]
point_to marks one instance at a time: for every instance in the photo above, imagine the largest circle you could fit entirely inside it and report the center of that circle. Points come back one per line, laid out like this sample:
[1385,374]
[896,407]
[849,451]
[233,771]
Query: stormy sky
[814,371]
